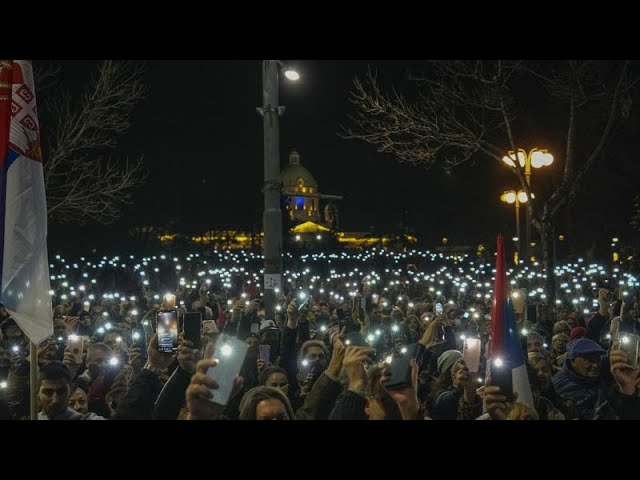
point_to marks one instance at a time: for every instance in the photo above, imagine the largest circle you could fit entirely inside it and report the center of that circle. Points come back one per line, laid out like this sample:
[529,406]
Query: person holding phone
[201,391]
[580,380]
[460,401]
[354,402]
[312,362]
[624,399]
[250,368]
[500,408]
[269,334]
[437,339]
[596,327]
[138,402]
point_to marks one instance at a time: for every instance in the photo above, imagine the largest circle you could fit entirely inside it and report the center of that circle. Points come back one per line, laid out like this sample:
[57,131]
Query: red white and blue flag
[23,209]
[505,338]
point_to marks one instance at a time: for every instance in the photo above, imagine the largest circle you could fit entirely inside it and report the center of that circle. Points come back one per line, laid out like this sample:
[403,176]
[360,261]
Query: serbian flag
[23,209]
[505,338]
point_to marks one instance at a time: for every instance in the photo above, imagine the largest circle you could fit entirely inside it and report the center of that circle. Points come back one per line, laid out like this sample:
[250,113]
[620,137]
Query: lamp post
[516,198]
[272,216]
[536,158]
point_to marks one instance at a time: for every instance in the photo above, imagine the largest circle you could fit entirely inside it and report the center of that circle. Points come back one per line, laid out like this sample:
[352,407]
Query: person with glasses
[580,380]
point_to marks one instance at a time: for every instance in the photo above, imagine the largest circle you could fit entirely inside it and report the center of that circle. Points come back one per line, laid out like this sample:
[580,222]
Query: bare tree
[466,108]
[82,184]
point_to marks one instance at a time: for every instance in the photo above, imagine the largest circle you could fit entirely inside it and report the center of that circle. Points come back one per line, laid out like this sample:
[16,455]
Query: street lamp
[536,158]
[516,198]
[272,217]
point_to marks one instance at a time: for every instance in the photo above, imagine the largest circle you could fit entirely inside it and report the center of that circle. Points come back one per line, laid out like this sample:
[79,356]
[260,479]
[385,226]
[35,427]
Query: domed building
[300,192]
[309,225]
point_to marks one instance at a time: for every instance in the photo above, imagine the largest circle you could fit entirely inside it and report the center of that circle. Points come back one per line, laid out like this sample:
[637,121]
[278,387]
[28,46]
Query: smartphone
[265,353]
[230,353]
[60,346]
[355,339]
[400,367]
[629,344]
[148,329]
[255,327]
[304,302]
[438,308]
[167,328]
[139,339]
[532,313]
[471,354]
[364,305]
[193,327]
[374,298]
[307,367]
[502,376]
[76,347]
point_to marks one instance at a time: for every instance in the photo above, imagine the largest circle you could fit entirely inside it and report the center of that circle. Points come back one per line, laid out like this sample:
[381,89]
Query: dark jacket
[349,406]
[320,400]
[618,406]
[595,327]
[588,395]
[288,359]
[138,403]
[450,405]
[172,396]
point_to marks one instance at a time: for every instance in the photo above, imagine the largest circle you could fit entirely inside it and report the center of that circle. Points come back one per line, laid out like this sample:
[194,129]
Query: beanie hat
[447,360]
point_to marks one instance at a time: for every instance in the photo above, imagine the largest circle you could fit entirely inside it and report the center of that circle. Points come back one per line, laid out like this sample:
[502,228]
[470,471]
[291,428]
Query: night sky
[202,141]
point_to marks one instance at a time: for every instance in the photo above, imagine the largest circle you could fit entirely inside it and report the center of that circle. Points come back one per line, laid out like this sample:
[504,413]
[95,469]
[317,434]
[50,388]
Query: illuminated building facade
[300,192]
[311,224]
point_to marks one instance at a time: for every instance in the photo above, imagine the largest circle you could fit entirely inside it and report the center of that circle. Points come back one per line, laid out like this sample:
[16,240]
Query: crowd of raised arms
[374,335]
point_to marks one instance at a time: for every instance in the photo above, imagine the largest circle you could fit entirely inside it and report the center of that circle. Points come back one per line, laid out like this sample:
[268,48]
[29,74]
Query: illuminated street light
[536,158]
[511,197]
[292,74]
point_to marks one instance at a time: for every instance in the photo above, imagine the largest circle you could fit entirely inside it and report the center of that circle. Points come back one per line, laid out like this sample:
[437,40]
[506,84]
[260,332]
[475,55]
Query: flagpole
[33,379]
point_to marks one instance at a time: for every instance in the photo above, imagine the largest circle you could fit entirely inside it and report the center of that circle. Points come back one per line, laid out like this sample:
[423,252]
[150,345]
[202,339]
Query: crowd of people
[342,321]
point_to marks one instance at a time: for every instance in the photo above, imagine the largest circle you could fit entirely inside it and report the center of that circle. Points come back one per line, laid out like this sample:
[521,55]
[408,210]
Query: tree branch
[80,184]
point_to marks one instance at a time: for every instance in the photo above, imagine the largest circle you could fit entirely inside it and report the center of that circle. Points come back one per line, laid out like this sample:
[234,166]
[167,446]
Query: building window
[300,203]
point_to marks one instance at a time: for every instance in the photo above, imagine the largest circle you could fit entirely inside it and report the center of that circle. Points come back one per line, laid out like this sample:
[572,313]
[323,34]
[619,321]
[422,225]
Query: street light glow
[509,197]
[292,74]
[540,158]
[522,197]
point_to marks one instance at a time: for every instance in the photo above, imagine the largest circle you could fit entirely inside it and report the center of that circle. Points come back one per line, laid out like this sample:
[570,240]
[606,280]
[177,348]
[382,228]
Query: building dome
[295,176]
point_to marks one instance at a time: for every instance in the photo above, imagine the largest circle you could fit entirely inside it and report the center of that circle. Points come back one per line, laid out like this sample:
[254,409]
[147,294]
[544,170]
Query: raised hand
[187,355]
[354,361]
[627,378]
[496,402]
[337,356]
[199,393]
[158,359]
[406,398]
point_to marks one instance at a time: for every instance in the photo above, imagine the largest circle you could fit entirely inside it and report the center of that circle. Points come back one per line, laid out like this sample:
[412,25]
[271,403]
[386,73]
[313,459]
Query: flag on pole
[23,211]
[505,338]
